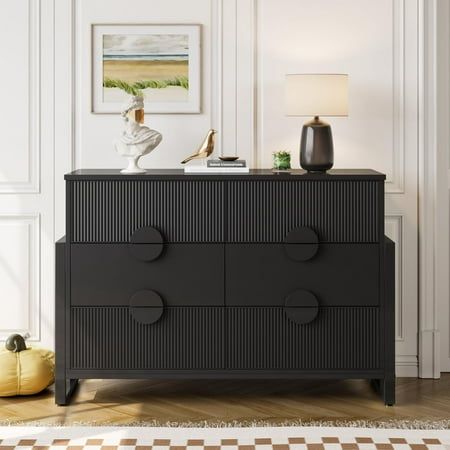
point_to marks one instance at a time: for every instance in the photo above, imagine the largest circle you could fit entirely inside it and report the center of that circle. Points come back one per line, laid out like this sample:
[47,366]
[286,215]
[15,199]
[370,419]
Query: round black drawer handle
[301,244]
[146,307]
[301,306]
[146,244]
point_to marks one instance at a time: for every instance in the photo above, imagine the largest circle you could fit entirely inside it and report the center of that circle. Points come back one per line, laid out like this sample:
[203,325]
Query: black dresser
[259,275]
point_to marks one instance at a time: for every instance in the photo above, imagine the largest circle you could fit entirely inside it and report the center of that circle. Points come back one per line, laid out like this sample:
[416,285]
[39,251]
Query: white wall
[247,47]
[95,132]
[26,169]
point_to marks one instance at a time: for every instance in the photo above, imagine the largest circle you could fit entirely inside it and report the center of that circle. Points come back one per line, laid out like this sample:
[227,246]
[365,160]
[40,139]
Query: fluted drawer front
[183,338]
[183,211]
[338,338]
[257,338]
[338,211]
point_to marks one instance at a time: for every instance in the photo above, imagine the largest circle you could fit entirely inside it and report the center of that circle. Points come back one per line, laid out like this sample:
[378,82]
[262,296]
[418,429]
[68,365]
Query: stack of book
[219,166]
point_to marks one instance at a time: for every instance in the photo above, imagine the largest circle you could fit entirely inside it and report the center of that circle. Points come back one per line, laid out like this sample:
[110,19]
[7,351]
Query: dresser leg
[386,388]
[388,391]
[64,388]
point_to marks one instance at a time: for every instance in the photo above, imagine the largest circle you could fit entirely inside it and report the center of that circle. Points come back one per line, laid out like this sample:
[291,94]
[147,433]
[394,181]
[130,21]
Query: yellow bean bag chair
[25,371]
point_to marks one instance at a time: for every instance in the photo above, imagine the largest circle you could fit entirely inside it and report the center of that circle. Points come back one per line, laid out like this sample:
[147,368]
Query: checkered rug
[254,438]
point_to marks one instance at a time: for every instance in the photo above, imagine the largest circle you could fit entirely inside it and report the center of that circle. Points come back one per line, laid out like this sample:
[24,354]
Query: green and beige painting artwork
[155,64]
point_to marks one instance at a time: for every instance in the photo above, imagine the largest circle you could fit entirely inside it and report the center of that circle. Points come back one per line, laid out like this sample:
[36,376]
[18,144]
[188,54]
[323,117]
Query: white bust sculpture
[136,140]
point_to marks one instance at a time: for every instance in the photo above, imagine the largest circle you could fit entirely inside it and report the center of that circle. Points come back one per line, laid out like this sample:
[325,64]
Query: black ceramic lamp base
[316,146]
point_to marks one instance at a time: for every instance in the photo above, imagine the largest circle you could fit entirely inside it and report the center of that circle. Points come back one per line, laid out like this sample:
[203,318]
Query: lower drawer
[232,338]
[183,338]
[339,338]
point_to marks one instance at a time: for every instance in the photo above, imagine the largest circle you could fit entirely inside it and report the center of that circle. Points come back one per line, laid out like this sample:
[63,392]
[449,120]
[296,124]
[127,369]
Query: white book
[204,169]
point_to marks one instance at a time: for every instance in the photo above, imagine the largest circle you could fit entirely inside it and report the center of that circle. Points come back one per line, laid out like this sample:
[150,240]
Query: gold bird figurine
[205,149]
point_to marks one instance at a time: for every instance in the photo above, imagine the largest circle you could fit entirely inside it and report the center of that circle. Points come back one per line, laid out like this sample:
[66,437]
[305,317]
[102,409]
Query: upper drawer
[183,211]
[338,211]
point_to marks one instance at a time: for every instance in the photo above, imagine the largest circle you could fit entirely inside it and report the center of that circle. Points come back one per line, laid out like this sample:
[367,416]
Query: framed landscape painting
[161,61]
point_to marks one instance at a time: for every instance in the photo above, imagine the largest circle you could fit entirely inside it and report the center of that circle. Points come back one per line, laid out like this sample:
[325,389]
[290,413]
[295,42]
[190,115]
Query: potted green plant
[282,160]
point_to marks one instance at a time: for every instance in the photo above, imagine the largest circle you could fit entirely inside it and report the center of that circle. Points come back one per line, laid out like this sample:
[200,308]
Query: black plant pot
[316,146]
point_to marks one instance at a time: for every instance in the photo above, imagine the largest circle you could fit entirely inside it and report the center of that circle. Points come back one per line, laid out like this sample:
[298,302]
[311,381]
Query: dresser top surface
[267,174]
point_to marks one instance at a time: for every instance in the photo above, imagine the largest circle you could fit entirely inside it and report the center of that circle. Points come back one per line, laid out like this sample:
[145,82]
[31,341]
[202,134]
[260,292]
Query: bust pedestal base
[133,165]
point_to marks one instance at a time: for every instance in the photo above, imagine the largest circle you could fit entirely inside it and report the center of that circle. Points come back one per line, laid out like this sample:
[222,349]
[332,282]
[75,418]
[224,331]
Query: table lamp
[316,95]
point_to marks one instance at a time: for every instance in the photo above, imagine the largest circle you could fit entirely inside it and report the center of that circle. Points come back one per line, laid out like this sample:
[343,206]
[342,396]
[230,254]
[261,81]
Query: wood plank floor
[123,402]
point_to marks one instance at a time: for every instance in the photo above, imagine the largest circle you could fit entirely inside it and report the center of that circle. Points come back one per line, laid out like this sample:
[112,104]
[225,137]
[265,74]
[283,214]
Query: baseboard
[406,366]
[429,351]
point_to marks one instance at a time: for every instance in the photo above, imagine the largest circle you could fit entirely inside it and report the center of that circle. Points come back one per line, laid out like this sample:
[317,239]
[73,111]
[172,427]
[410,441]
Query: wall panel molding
[395,185]
[33,256]
[216,100]
[442,194]
[394,229]
[32,183]
[433,223]
[238,111]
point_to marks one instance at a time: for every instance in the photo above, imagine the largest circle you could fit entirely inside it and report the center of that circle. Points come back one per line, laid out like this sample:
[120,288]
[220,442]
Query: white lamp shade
[317,95]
